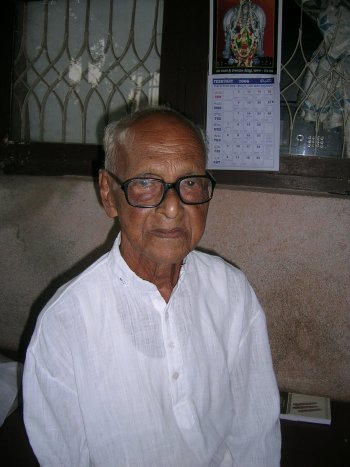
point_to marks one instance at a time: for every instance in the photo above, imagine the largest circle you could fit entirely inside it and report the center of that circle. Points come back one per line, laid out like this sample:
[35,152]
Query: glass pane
[315,79]
[81,63]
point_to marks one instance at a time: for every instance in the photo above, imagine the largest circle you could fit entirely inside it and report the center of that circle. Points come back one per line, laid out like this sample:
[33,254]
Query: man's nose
[171,204]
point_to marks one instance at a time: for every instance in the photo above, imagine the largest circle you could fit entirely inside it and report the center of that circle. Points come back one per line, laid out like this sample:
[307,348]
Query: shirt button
[175,375]
[171,345]
[166,315]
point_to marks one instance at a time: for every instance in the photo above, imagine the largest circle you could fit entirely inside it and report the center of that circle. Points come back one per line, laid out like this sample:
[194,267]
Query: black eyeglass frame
[166,187]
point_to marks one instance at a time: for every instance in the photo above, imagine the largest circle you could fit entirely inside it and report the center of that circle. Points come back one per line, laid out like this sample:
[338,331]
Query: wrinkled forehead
[157,133]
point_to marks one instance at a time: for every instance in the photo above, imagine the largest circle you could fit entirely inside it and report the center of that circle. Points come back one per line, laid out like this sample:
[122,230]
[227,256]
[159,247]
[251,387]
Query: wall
[295,250]
[51,229]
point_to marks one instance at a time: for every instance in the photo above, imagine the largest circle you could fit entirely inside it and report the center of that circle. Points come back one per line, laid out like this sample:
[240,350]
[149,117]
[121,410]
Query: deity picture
[244,27]
[245,36]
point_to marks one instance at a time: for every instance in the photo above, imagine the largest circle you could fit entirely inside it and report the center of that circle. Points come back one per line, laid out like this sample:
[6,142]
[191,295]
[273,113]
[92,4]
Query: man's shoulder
[73,299]
[87,281]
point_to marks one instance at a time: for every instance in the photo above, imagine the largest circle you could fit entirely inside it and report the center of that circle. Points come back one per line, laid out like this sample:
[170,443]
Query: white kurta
[115,376]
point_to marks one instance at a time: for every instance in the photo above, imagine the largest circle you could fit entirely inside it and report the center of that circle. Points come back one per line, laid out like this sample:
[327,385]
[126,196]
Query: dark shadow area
[15,449]
[315,445]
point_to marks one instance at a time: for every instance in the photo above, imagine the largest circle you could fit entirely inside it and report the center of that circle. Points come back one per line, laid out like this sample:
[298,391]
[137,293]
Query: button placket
[173,355]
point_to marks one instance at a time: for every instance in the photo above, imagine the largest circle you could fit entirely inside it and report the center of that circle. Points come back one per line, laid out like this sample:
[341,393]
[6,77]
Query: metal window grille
[315,80]
[81,63]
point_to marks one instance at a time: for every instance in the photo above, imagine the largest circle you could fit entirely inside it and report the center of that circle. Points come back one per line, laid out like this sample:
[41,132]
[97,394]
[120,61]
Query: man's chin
[169,255]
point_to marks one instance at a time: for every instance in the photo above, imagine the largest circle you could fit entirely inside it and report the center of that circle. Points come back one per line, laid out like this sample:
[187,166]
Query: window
[183,80]
[76,65]
[315,81]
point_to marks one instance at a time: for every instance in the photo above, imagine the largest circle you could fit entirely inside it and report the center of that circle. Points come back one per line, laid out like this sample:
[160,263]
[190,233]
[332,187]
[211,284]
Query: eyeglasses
[150,192]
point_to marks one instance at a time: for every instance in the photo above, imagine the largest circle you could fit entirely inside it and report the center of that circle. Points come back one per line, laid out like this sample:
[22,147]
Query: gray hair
[116,132]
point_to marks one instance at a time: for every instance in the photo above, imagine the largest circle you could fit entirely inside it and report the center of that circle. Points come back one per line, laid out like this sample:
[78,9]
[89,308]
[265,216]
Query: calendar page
[243,99]
[243,122]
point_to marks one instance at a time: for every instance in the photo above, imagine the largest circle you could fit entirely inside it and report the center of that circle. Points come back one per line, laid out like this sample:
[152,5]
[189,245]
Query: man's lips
[168,233]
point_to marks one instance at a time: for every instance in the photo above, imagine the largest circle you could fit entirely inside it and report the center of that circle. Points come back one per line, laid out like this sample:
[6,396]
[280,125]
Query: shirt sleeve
[256,439]
[51,407]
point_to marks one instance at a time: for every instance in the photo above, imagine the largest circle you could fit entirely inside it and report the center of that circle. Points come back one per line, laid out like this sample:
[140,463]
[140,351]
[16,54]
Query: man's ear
[106,192]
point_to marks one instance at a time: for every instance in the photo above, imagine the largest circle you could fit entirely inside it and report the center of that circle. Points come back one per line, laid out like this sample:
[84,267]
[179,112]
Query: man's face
[160,147]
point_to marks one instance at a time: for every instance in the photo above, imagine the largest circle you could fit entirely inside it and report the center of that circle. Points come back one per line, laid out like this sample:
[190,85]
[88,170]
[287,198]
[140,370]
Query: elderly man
[156,355]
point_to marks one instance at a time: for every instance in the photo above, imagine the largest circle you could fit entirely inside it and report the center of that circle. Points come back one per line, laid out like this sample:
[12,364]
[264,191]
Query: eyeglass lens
[149,192]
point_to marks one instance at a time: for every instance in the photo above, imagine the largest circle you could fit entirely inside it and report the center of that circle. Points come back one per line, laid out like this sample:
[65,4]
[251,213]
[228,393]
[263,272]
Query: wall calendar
[243,101]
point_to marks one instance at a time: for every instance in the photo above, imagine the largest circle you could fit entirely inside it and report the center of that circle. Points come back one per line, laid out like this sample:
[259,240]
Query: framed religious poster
[245,36]
[243,102]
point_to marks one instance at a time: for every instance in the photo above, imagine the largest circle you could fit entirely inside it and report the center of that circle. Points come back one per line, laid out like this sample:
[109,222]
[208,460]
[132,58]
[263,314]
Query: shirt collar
[126,276]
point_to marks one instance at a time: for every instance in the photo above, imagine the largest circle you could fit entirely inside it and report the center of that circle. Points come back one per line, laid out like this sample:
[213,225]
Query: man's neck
[163,276]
